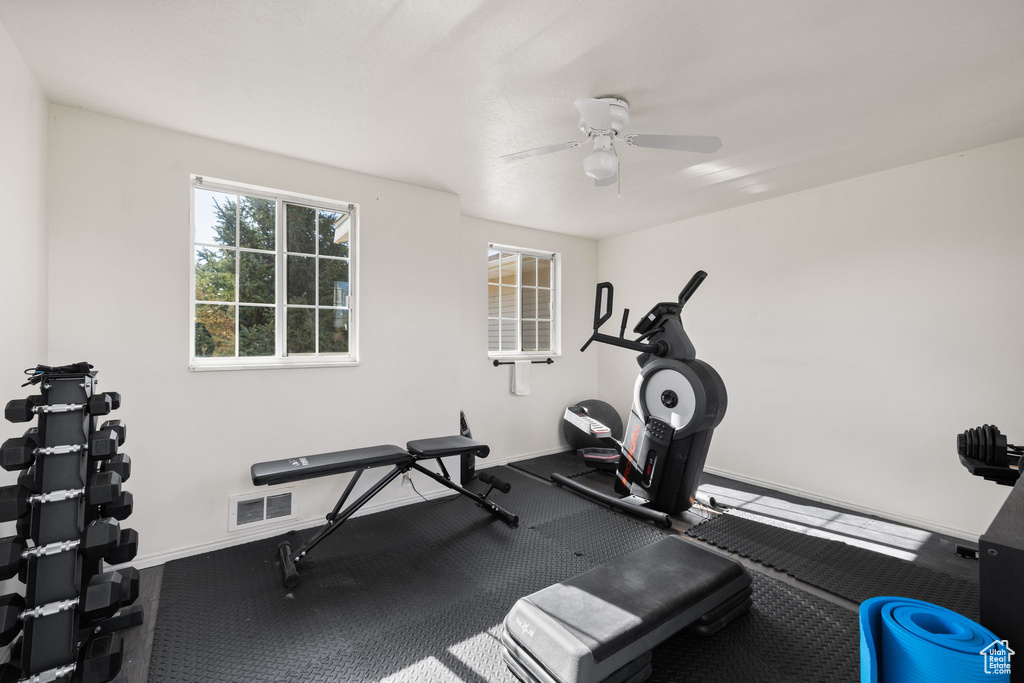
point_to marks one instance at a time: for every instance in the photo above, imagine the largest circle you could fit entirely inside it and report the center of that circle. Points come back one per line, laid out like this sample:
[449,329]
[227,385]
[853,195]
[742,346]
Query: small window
[273,278]
[522,301]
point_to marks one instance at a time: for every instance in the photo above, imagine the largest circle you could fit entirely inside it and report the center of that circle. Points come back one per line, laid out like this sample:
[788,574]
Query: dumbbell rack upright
[66,504]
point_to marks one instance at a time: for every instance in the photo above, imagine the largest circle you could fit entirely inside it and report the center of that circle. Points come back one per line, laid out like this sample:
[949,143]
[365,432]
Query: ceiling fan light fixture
[601,164]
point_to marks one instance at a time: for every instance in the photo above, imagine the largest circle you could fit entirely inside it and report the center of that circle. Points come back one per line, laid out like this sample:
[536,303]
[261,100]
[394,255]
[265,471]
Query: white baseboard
[268,531]
[887,515]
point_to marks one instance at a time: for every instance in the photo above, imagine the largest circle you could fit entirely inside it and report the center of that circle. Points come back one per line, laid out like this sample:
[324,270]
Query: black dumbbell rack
[68,504]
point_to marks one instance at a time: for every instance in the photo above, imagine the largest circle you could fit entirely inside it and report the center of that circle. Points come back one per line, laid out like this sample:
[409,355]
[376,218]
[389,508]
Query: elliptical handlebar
[601,317]
[691,287]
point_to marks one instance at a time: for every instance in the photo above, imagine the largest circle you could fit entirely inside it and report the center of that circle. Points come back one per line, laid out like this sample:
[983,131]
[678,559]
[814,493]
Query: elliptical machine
[677,403]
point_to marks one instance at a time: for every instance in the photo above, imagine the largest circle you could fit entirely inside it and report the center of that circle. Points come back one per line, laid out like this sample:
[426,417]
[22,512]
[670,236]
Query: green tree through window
[239,247]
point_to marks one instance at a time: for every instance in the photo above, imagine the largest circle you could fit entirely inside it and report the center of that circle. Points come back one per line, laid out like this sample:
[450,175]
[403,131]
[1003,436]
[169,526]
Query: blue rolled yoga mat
[904,641]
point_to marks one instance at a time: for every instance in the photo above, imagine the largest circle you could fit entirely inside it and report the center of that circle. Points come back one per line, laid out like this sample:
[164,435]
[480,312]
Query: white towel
[521,378]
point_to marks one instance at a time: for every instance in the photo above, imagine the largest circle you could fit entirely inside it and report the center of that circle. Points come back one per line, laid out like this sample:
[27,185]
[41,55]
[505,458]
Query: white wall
[23,232]
[858,327]
[119,297]
[23,198]
[517,427]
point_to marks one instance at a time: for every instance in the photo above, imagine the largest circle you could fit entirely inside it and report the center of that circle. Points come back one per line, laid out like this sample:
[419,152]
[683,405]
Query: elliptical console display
[677,403]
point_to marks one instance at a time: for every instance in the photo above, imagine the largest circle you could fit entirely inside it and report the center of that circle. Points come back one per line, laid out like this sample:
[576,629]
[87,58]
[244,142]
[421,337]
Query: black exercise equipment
[600,411]
[16,500]
[98,541]
[67,504]
[601,626]
[678,402]
[104,595]
[358,460]
[986,453]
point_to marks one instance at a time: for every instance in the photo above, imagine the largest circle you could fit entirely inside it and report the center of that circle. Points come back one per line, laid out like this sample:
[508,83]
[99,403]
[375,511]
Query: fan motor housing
[619,111]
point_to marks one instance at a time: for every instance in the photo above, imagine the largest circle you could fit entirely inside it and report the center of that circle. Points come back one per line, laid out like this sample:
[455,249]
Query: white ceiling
[432,92]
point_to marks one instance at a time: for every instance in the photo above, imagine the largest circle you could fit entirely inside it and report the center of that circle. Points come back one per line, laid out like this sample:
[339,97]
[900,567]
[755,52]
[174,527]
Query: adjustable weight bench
[360,459]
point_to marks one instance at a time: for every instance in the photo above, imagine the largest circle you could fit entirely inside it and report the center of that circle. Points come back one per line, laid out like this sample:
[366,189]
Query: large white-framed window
[273,278]
[523,302]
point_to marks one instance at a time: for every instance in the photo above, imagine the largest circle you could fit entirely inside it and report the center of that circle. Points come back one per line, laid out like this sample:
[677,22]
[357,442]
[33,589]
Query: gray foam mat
[416,593]
[845,570]
[787,635]
[568,464]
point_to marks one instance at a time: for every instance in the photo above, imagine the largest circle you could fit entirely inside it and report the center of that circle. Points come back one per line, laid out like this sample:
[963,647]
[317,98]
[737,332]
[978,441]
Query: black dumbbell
[100,658]
[988,446]
[102,404]
[121,464]
[15,501]
[19,452]
[22,409]
[121,508]
[127,548]
[100,540]
[104,595]
[103,443]
[119,427]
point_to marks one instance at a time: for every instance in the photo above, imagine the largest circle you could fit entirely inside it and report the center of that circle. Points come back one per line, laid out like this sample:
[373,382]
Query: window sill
[522,356]
[273,364]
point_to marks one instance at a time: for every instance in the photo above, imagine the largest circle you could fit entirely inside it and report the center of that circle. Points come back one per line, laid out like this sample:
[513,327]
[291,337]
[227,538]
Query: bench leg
[290,558]
[485,503]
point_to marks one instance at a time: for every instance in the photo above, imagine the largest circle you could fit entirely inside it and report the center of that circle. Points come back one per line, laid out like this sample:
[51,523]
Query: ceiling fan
[604,120]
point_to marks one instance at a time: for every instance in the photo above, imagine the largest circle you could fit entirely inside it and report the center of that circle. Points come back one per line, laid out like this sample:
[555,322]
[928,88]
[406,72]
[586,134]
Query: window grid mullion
[238,264]
[316,282]
[519,302]
[280,314]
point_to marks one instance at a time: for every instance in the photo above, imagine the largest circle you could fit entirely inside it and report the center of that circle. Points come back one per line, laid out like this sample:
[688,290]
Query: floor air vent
[250,510]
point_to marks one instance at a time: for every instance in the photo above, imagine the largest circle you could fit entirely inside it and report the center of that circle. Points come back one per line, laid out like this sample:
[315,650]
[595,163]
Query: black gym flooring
[418,593]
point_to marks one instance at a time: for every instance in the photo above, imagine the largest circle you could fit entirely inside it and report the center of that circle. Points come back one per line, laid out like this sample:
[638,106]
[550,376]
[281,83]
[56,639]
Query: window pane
[215,331]
[508,336]
[509,268]
[492,335]
[256,230]
[256,278]
[215,274]
[256,331]
[508,302]
[493,266]
[301,223]
[544,336]
[544,303]
[529,298]
[301,287]
[333,330]
[529,335]
[301,331]
[215,217]
[334,233]
[492,300]
[544,272]
[333,282]
[530,271]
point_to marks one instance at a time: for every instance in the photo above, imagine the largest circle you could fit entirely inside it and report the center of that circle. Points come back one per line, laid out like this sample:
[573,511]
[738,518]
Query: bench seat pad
[585,629]
[442,446]
[324,464]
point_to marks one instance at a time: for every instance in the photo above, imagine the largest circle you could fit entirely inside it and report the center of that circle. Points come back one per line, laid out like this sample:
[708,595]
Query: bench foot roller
[600,626]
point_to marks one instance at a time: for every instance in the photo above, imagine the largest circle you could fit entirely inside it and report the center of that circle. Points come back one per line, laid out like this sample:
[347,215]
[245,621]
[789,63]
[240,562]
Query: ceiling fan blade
[596,114]
[537,151]
[680,143]
[606,181]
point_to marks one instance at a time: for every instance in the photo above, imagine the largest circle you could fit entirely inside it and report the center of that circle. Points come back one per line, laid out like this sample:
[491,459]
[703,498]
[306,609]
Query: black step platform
[600,626]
